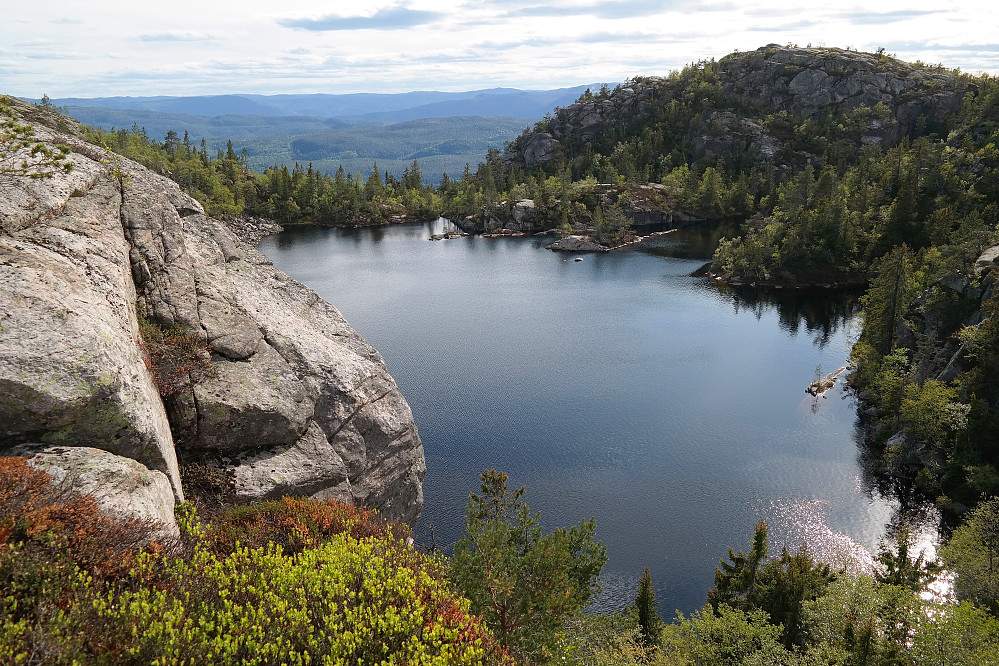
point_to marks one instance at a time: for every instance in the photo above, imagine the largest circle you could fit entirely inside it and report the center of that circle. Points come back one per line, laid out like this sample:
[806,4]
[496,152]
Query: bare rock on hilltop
[805,82]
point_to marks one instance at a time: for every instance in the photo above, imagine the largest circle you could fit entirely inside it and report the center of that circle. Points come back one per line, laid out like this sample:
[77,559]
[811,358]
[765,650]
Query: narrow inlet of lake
[617,387]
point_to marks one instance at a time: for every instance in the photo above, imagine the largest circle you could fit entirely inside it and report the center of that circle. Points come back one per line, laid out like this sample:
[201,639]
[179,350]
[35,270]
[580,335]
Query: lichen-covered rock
[520,217]
[987,260]
[542,147]
[255,402]
[311,466]
[71,372]
[120,485]
[297,402]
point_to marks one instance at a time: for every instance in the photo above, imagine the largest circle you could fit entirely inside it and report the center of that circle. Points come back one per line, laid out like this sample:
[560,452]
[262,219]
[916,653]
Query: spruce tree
[526,584]
[890,295]
[649,621]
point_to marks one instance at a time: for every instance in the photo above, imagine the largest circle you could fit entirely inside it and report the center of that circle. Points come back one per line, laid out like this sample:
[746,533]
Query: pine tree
[22,156]
[523,582]
[779,586]
[896,566]
[649,621]
[890,295]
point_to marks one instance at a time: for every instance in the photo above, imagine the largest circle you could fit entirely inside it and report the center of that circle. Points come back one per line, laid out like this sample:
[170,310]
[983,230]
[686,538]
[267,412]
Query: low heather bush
[285,582]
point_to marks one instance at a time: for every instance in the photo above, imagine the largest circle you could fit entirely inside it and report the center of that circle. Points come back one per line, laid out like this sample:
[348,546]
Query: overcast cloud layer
[102,48]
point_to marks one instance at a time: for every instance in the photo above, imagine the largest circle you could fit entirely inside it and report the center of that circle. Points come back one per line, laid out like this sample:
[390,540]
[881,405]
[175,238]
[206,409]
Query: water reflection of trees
[912,508]
[698,241]
[822,313]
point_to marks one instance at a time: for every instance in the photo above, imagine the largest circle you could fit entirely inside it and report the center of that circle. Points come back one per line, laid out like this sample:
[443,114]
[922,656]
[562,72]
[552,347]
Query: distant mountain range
[329,130]
[526,104]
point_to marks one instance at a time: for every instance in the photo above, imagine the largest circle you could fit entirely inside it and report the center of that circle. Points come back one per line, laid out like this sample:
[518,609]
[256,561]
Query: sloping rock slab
[120,485]
[71,372]
[299,403]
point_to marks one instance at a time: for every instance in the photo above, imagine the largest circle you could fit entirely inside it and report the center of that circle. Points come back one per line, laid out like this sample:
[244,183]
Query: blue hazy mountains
[444,130]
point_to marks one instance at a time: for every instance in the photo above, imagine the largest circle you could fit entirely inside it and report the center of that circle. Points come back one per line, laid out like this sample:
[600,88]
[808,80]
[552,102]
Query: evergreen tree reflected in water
[697,241]
[821,313]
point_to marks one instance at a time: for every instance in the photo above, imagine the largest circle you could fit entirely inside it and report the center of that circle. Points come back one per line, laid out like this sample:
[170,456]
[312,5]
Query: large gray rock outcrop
[646,204]
[297,403]
[291,376]
[576,244]
[808,81]
[71,371]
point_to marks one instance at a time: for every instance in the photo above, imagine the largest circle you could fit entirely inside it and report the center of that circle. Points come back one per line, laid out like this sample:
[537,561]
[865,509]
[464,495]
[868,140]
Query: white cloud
[393,46]
[177,36]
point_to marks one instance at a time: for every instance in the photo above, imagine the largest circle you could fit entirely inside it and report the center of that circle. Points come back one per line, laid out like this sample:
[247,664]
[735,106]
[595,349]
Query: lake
[618,387]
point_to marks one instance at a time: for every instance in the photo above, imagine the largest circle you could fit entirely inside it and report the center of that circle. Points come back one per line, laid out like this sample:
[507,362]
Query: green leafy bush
[345,601]
[290,582]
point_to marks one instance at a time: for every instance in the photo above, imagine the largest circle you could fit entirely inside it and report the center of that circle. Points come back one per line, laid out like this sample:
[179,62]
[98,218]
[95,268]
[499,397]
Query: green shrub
[288,582]
[344,601]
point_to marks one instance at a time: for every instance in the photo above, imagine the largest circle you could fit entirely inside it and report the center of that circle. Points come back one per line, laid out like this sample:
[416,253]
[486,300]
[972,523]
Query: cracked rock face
[297,403]
[71,372]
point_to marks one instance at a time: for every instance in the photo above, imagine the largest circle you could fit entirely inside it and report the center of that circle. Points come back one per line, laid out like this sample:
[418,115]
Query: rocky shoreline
[584,243]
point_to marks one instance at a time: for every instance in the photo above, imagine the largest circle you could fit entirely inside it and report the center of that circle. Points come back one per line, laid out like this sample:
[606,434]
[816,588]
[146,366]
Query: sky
[98,48]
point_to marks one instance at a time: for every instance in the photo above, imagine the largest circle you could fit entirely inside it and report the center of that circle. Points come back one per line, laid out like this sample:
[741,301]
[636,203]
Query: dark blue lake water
[617,387]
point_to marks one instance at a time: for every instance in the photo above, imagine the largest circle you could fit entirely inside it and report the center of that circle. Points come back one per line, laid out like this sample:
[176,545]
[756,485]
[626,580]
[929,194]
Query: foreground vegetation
[298,581]
[279,582]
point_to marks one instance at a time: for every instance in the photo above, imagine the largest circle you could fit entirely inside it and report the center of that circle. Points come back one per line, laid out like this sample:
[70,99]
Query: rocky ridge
[296,403]
[807,82]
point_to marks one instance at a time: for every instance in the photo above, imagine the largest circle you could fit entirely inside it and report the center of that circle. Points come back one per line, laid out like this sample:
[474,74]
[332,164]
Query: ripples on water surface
[617,387]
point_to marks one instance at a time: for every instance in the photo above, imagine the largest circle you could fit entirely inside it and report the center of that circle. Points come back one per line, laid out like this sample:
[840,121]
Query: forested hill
[833,156]
[773,105]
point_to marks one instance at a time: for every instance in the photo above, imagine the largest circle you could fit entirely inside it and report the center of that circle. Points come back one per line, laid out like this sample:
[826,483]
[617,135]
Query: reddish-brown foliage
[295,524]
[176,358]
[38,513]
[47,530]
